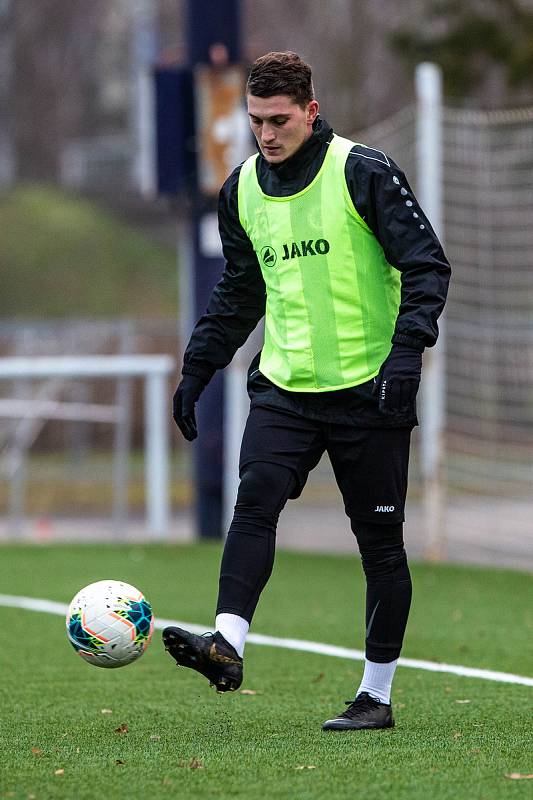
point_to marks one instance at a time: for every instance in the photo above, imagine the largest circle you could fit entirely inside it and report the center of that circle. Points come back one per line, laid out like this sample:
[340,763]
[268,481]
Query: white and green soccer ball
[110,623]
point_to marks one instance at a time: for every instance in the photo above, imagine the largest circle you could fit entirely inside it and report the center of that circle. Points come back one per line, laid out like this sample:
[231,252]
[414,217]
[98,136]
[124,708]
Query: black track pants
[249,557]
[388,588]
[249,551]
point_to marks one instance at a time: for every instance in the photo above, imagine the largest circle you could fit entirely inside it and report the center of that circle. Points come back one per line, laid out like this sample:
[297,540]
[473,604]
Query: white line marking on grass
[60,609]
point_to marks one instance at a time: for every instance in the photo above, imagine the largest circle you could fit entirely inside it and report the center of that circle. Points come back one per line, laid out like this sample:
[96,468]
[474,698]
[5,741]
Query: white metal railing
[154,369]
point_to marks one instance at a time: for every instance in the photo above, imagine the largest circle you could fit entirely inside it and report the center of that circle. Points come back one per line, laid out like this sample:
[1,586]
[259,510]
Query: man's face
[280,125]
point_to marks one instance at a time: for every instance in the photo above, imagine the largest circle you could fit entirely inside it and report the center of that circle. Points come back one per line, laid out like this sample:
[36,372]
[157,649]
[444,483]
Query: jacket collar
[305,155]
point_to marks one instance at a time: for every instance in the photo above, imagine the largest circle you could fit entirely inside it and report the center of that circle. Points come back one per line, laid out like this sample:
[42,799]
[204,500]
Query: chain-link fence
[487,173]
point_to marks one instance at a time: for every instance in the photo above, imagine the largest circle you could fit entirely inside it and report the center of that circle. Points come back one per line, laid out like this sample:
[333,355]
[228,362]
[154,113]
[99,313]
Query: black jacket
[383,198]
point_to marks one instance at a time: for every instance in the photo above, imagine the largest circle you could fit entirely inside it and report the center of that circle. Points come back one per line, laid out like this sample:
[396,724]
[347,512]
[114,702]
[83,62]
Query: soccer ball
[110,623]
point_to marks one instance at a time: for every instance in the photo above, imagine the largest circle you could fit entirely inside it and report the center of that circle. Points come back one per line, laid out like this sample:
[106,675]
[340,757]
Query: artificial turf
[62,723]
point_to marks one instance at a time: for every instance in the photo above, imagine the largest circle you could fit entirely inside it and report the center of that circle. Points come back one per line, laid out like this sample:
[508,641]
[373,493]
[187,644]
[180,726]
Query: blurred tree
[485,47]
[358,79]
[66,64]
[53,50]
[71,65]
[7,153]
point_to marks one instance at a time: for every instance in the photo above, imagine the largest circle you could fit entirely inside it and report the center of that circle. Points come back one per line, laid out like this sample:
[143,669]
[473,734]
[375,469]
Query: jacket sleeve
[383,198]
[237,302]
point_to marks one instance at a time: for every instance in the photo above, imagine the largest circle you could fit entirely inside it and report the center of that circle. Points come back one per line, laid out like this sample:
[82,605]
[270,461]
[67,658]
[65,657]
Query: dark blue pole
[210,22]
[209,447]
[214,22]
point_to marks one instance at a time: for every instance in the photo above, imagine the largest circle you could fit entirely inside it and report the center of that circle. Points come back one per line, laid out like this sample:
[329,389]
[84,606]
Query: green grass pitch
[63,723]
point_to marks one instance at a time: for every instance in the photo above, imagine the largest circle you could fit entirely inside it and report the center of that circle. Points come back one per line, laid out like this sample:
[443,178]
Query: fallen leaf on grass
[155,737]
[37,751]
[119,761]
[249,691]
[122,728]
[462,701]
[59,772]
[308,766]
[106,711]
[457,734]
[194,763]
[517,776]
[318,677]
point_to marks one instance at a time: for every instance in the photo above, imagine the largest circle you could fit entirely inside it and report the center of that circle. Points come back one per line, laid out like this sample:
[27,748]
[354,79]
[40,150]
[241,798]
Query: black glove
[185,398]
[398,380]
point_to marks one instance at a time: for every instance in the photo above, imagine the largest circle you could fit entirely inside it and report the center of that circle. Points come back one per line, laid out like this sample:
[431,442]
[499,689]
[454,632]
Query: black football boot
[210,654]
[363,712]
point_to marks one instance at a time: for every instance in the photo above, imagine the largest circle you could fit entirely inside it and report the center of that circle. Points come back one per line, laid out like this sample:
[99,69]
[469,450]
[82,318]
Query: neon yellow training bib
[332,297]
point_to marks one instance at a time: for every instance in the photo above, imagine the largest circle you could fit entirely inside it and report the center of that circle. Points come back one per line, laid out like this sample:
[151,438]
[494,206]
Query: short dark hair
[281,73]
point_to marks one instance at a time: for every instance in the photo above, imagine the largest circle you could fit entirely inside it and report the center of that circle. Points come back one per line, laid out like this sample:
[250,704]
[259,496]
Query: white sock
[377,680]
[233,629]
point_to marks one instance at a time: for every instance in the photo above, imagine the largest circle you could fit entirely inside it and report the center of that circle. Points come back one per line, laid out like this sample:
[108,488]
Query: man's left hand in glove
[398,381]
